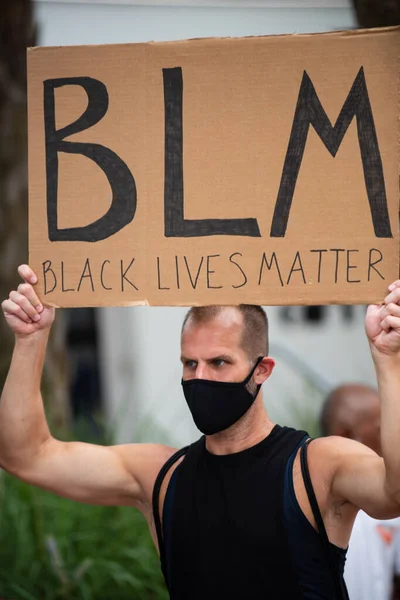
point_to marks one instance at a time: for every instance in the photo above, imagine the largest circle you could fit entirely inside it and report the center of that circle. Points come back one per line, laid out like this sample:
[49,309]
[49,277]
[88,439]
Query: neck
[253,427]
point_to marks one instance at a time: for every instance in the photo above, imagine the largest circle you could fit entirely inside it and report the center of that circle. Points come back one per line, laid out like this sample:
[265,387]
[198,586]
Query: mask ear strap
[250,375]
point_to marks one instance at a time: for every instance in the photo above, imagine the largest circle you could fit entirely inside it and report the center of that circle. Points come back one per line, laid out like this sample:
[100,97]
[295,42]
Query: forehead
[223,332]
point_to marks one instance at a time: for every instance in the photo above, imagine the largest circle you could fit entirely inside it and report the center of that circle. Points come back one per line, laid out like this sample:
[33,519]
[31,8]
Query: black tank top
[225,531]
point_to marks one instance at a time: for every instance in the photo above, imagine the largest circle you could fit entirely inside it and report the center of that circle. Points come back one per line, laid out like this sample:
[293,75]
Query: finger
[25,305]
[390,323]
[25,289]
[27,274]
[377,310]
[11,309]
[394,285]
[390,309]
[393,297]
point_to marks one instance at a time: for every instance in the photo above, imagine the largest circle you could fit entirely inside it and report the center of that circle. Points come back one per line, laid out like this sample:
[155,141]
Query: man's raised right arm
[114,475]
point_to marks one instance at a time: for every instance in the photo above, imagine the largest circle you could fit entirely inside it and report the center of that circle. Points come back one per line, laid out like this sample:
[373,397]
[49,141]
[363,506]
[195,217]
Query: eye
[218,362]
[190,364]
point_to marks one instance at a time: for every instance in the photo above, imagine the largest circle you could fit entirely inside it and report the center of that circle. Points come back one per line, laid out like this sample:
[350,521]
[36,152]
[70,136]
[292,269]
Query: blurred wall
[140,346]
[110,22]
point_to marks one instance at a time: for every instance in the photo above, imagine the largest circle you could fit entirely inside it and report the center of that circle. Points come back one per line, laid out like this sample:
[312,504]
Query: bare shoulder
[345,464]
[328,454]
[355,475]
[335,448]
[143,462]
[324,456]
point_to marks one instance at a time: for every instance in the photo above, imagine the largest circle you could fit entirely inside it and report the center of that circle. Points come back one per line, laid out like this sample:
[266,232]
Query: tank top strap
[156,504]
[340,586]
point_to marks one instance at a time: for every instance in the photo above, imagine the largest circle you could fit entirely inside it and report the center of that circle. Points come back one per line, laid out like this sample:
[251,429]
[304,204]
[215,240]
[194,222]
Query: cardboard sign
[216,171]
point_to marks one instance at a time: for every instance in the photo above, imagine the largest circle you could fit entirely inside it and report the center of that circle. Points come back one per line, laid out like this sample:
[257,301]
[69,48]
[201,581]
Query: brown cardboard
[240,100]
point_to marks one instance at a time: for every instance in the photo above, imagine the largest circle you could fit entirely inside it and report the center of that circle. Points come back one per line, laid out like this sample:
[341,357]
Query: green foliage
[54,549]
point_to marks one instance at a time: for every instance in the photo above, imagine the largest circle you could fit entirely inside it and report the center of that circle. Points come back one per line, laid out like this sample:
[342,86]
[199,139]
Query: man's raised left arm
[360,476]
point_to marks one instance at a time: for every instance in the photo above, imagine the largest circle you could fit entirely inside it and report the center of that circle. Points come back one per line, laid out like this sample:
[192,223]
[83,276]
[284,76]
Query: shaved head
[353,411]
[252,318]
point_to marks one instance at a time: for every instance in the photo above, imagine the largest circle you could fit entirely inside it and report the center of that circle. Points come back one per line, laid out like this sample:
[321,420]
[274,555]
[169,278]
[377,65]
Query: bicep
[360,478]
[106,475]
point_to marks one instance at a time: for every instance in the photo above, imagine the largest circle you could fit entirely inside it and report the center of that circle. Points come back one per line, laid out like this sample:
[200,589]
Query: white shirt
[373,558]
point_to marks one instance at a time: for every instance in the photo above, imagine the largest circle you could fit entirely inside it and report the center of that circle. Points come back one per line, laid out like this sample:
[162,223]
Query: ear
[264,370]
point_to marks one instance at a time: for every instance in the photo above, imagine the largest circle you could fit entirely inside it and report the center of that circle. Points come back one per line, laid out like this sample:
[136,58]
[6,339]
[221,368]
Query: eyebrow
[224,357]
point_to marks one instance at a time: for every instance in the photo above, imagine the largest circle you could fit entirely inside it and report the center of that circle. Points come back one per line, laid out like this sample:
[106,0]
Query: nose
[202,371]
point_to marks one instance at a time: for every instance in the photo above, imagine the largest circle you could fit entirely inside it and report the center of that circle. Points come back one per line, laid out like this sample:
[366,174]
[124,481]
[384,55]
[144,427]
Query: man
[353,411]
[236,516]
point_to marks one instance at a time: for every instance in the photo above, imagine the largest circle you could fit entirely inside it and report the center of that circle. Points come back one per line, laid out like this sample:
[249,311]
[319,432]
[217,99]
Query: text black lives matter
[179,272]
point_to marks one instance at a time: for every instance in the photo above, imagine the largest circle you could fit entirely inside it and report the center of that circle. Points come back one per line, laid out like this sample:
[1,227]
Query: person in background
[373,558]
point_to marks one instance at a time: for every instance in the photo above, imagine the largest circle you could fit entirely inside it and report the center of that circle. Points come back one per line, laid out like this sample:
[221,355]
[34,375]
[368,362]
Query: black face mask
[216,405]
